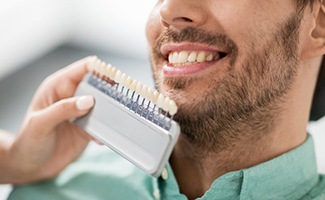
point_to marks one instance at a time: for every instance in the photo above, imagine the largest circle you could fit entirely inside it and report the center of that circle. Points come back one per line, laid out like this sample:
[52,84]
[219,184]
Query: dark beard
[244,101]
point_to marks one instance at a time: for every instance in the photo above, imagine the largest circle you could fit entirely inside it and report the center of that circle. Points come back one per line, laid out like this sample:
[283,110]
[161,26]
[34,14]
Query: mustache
[196,35]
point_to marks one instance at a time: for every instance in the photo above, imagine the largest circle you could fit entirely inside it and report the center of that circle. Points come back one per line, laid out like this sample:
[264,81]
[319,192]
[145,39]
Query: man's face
[227,64]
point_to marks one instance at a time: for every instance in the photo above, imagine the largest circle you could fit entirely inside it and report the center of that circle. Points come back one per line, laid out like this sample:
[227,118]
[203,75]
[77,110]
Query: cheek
[249,23]
[153,27]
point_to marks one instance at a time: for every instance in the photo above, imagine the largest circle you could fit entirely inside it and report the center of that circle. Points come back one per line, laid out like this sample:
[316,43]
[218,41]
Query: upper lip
[173,47]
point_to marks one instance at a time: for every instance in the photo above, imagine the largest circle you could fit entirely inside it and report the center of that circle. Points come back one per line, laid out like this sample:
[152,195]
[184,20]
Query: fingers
[75,71]
[62,84]
[85,103]
[78,69]
[63,110]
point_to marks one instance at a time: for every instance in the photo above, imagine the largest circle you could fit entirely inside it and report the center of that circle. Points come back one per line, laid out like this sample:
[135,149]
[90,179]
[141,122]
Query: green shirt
[102,174]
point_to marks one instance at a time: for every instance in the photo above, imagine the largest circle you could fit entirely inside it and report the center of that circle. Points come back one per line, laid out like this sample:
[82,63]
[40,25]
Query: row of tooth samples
[107,70]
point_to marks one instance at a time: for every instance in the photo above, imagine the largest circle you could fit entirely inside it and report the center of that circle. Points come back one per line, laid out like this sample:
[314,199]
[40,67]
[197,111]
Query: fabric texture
[102,174]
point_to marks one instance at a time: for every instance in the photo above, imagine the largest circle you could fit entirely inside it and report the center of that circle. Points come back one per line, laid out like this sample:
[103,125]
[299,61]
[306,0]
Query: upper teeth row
[193,56]
[107,70]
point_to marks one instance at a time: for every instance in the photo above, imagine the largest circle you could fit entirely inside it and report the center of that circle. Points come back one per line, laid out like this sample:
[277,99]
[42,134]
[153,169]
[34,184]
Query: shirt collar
[289,176]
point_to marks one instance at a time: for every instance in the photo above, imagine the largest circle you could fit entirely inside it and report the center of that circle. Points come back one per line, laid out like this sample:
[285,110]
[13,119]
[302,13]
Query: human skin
[278,100]
[47,141]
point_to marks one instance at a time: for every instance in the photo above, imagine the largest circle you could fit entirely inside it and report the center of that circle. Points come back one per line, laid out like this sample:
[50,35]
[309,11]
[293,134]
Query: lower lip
[186,70]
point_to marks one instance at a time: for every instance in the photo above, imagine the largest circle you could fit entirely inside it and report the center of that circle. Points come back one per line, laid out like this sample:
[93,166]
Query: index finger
[76,71]
[63,83]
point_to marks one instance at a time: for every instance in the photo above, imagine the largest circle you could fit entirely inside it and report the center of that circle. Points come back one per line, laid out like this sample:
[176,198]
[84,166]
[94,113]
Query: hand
[47,141]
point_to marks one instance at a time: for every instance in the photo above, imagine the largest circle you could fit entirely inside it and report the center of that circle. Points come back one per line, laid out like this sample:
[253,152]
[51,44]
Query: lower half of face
[240,90]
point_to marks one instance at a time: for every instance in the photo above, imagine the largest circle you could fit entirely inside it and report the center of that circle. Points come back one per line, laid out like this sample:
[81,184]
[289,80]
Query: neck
[195,169]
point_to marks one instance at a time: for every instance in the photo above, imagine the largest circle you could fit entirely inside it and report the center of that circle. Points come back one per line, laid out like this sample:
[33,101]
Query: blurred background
[38,37]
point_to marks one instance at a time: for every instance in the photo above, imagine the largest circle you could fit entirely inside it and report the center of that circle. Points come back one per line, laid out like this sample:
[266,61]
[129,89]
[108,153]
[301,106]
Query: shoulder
[318,191]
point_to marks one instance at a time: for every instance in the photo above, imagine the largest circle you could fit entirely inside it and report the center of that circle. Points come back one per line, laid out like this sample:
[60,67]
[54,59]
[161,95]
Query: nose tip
[181,14]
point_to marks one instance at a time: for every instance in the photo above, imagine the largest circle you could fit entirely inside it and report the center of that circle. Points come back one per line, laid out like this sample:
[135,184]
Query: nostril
[187,19]
[164,23]
[184,19]
[176,21]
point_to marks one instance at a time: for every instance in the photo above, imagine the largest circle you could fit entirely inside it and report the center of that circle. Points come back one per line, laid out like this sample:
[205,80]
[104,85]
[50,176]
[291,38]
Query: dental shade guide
[133,120]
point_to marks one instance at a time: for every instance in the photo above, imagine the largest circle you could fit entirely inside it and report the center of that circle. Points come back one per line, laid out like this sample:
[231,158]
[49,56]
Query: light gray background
[38,37]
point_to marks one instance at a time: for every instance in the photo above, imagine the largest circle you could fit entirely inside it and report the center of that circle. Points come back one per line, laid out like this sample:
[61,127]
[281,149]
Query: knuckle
[49,80]
[33,119]
[64,106]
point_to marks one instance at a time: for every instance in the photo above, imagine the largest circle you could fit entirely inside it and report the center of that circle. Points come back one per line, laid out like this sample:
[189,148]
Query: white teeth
[184,57]
[209,57]
[192,57]
[170,58]
[174,57]
[102,70]
[201,56]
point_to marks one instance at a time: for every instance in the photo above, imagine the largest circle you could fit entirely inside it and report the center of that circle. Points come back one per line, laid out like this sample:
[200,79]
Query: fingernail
[85,102]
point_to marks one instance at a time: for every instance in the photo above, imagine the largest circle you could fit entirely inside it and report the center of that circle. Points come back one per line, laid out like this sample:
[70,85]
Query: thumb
[66,109]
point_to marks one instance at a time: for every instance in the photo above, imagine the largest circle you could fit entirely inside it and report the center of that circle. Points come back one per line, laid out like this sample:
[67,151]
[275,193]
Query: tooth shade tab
[113,73]
[123,79]
[102,68]
[92,65]
[166,104]
[128,82]
[155,95]
[172,107]
[97,66]
[160,100]
[144,91]
[150,94]
[107,73]
[138,89]
[133,85]
[118,76]
[108,70]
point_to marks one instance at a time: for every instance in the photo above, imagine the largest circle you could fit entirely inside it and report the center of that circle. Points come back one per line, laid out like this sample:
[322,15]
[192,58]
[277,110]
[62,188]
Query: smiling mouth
[184,58]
